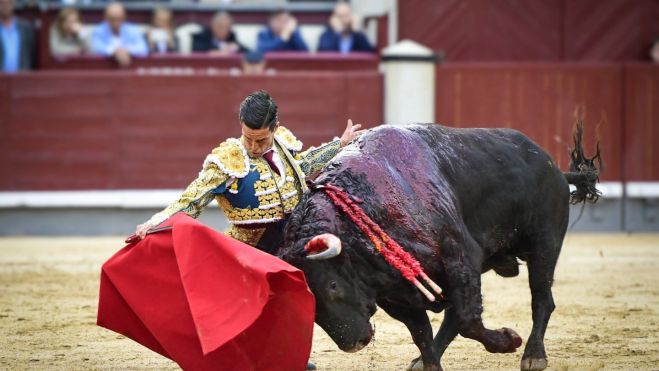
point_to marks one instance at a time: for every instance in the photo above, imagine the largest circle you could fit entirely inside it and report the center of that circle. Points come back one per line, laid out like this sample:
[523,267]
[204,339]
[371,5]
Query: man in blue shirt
[281,35]
[17,45]
[342,34]
[117,38]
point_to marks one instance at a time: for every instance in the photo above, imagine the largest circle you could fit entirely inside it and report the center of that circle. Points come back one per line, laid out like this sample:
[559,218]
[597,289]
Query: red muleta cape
[208,301]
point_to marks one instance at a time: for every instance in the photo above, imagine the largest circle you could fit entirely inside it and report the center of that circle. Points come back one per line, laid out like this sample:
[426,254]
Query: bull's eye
[333,291]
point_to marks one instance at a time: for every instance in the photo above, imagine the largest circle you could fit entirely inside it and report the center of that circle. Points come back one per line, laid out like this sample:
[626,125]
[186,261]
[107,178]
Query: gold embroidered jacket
[247,190]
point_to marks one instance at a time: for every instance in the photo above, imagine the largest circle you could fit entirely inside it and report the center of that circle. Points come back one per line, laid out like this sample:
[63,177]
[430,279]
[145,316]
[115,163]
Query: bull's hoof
[515,340]
[416,365]
[533,364]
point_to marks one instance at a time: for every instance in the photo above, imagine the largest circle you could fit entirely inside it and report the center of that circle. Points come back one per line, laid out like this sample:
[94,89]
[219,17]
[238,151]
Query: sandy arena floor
[606,292]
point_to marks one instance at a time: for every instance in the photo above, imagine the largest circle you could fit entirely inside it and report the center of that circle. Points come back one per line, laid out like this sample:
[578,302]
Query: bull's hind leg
[541,263]
[462,260]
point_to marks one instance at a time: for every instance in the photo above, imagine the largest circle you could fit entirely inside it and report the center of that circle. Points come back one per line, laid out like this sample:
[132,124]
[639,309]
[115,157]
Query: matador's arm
[196,196]
[314,158]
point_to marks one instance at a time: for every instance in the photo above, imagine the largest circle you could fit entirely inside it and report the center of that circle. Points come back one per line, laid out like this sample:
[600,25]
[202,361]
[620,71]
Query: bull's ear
[324,246]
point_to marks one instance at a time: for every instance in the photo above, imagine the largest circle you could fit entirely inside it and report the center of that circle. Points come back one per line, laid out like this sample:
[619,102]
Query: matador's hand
[351,133]
[142,229]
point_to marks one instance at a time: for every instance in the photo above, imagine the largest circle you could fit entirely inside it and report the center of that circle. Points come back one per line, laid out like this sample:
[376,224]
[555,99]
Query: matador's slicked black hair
[259,111]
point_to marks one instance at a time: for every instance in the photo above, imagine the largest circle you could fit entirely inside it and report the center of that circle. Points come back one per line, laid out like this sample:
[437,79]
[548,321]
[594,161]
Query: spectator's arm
[361,43]
[298,42]
[267,42]
[137,45]
[32,46]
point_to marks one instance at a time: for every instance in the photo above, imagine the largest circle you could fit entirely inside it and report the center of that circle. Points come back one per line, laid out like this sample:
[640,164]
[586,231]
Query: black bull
[462,201]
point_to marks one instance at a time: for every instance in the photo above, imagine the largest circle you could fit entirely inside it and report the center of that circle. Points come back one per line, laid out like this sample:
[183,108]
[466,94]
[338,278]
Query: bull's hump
[385,140]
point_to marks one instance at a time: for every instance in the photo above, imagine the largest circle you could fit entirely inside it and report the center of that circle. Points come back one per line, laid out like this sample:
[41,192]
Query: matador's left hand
[351,133]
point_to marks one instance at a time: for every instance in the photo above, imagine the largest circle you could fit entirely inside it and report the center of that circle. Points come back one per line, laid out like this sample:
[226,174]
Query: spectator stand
[190,18]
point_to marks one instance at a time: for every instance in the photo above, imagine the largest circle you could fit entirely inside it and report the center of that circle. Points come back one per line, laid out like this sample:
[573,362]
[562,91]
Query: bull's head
[344,302]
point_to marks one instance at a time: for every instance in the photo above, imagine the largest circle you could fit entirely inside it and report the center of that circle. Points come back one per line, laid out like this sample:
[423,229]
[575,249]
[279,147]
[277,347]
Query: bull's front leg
[417,322]
[460,258]
[447,332]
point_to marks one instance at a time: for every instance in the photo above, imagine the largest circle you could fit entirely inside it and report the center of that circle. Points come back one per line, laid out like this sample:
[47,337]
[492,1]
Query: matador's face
[257,141]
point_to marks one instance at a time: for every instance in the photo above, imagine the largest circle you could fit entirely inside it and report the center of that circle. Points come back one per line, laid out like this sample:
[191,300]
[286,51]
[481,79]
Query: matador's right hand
[142,230]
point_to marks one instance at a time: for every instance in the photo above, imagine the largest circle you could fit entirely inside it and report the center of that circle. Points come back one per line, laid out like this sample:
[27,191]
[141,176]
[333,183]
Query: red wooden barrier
[285,61]
[538,30]
[120,130]
[113,130]
[641,129]
[539,100]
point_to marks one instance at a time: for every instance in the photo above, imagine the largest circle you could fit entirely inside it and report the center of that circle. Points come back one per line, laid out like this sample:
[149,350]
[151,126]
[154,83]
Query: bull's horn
[324,246]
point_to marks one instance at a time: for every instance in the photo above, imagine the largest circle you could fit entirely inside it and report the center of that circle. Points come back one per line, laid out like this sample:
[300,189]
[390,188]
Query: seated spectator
[219,38]
[343,32]
[160,36]
[654,52]
[17,44]
[67,37]
[117,38]
[281,34]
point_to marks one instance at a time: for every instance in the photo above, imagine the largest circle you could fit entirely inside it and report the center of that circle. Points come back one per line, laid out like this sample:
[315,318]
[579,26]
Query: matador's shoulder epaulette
[230,157]
[287,139]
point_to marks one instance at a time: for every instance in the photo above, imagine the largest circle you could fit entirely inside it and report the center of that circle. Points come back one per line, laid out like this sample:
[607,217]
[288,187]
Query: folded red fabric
[207,301]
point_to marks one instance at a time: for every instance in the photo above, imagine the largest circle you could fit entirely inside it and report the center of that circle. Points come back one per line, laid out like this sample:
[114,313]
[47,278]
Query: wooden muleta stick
[134,238]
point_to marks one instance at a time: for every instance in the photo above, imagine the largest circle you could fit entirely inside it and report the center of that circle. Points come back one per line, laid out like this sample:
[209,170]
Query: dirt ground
[606,292]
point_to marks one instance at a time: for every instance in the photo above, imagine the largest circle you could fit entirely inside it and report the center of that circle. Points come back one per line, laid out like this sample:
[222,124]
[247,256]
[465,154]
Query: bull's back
[503,182]
[489,179]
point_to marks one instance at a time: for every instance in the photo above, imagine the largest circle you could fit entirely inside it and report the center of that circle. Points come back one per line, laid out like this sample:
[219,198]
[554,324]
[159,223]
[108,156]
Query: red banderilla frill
[392,252]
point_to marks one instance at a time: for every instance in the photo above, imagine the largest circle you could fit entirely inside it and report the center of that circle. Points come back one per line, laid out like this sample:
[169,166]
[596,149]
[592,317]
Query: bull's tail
[584,172]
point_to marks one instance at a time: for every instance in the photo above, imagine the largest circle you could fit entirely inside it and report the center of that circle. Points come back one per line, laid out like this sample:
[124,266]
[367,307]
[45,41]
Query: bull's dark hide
[462,201]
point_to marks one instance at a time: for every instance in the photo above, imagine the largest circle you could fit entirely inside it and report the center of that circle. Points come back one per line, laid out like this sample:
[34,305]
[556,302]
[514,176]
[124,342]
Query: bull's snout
[360,344]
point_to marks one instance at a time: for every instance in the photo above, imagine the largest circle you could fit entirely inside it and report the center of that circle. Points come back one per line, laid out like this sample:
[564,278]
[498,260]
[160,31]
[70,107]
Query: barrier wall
[641,118]
[539,100]
[124,131]
[620,102]
[280,61]
[538,30]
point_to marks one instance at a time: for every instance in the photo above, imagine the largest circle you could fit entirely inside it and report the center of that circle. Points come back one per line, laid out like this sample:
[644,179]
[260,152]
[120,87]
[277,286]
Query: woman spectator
[160,35]
[67,37]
